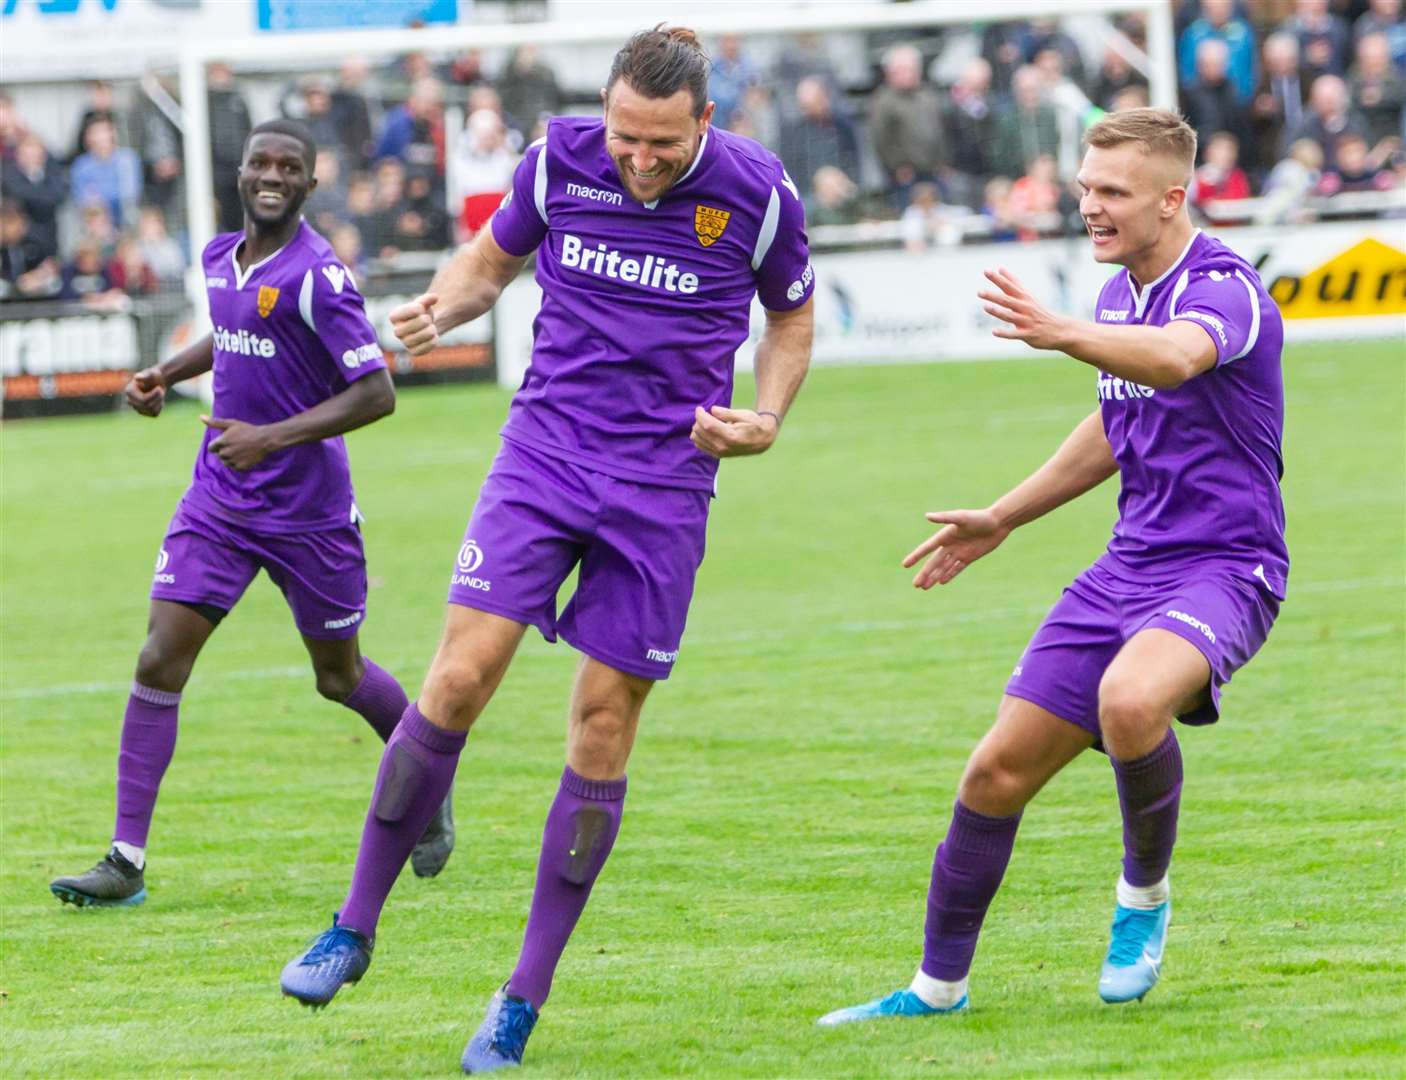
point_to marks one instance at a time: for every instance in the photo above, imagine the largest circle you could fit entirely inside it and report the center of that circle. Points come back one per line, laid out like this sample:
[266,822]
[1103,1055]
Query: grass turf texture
[787,790]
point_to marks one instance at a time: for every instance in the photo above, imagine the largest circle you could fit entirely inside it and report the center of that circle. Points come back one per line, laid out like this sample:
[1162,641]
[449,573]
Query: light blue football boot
[339,955]
[1135,950]
[502,1037]
[900,1003]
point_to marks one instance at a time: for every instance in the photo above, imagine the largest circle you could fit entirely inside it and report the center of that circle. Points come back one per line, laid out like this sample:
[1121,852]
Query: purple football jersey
[290,332]
[1200,464]
[644,305]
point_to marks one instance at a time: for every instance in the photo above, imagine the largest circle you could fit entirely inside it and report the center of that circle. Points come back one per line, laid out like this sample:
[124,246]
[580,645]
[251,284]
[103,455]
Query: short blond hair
[1157,131]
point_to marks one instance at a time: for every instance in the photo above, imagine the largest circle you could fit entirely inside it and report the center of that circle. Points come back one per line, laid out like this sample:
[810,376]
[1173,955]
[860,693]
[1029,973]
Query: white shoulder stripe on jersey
[1254,333]
[1177,290]
[539,181]
[305,300]
[768,231]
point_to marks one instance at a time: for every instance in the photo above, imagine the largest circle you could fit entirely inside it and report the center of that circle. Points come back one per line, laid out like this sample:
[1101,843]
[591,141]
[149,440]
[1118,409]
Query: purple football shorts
[638,545]
[322,574]
[1226,616]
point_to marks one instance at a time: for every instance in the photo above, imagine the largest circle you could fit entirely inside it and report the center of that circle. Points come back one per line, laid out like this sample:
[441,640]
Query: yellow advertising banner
[1368,278]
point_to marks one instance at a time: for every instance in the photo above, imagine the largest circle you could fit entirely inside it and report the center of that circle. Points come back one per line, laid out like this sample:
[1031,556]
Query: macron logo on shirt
[594,194]
[243,343]
[652,273]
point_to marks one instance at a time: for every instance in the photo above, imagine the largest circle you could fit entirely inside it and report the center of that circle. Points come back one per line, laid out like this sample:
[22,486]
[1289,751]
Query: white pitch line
[303,671]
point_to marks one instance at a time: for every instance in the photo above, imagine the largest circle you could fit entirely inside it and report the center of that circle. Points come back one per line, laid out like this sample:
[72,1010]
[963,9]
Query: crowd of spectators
[959,130]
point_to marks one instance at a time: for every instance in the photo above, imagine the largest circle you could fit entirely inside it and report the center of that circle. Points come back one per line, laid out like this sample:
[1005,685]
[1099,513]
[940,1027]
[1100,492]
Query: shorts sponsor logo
[651,273]
[1017,672]
[354,358]
[662,657]
[1113,389]
[163,578]
[1193,622]
[798,287]
[1207,320]
[216,283]
[336,277]
[581,191]
[243,343]
[470,559]
[1110,315]
[338,624]
[268,296]
[709,223]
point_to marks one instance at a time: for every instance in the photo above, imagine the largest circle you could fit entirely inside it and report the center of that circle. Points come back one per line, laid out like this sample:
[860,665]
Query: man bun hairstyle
[659,63]
[1157,131]
[294,129]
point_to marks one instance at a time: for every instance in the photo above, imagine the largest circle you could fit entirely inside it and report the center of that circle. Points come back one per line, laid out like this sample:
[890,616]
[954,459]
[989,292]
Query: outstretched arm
[464,288]
[783,357]
[242,445]
[1083,461]
[146,392]
[1160,356]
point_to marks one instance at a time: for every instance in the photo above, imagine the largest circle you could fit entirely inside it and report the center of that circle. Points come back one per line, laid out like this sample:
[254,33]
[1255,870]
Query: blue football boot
[900,1003]
[1135,950]
[339,955]
[501,1038]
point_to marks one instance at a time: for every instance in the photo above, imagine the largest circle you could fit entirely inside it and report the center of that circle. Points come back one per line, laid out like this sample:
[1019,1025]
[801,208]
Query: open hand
[1026,318]
[239,445]
[966,537]
[413,324]
[724,432]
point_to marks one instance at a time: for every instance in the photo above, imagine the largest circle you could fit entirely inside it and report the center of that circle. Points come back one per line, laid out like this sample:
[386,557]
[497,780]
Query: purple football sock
[966,872]
[581,829]
[1149,791]
[379,699]
[148,741]
[416,772]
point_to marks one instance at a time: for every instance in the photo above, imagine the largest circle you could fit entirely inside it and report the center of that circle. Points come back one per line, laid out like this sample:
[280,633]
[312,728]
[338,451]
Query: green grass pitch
[787,790]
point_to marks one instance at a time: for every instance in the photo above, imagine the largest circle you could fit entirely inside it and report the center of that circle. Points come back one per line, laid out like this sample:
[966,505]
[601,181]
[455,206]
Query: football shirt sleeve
[333,309]
[781,260]
[1226,304]
[520,222]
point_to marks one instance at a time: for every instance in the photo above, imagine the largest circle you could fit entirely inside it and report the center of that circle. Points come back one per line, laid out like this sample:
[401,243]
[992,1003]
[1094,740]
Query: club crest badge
[268,296]
[709,223]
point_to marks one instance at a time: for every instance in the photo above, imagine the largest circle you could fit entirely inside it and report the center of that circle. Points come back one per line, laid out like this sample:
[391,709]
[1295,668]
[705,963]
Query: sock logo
[162,559]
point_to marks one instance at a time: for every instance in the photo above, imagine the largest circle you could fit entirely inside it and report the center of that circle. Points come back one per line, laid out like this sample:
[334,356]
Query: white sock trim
[938,993]
[133,854]
[1144,897]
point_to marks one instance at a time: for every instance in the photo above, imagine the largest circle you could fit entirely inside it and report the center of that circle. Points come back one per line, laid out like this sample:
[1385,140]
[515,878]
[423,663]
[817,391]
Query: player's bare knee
[991,786]
[1127,715]
[600,728]
[336,684]
[159,668]
[455,692]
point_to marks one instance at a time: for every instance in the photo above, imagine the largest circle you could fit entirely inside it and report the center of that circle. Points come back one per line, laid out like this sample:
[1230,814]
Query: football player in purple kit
[296,364]
[1187,347]
[653,231]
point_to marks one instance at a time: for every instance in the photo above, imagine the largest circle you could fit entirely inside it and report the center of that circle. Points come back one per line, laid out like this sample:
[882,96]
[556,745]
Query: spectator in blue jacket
[108,174]
[1218,20]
